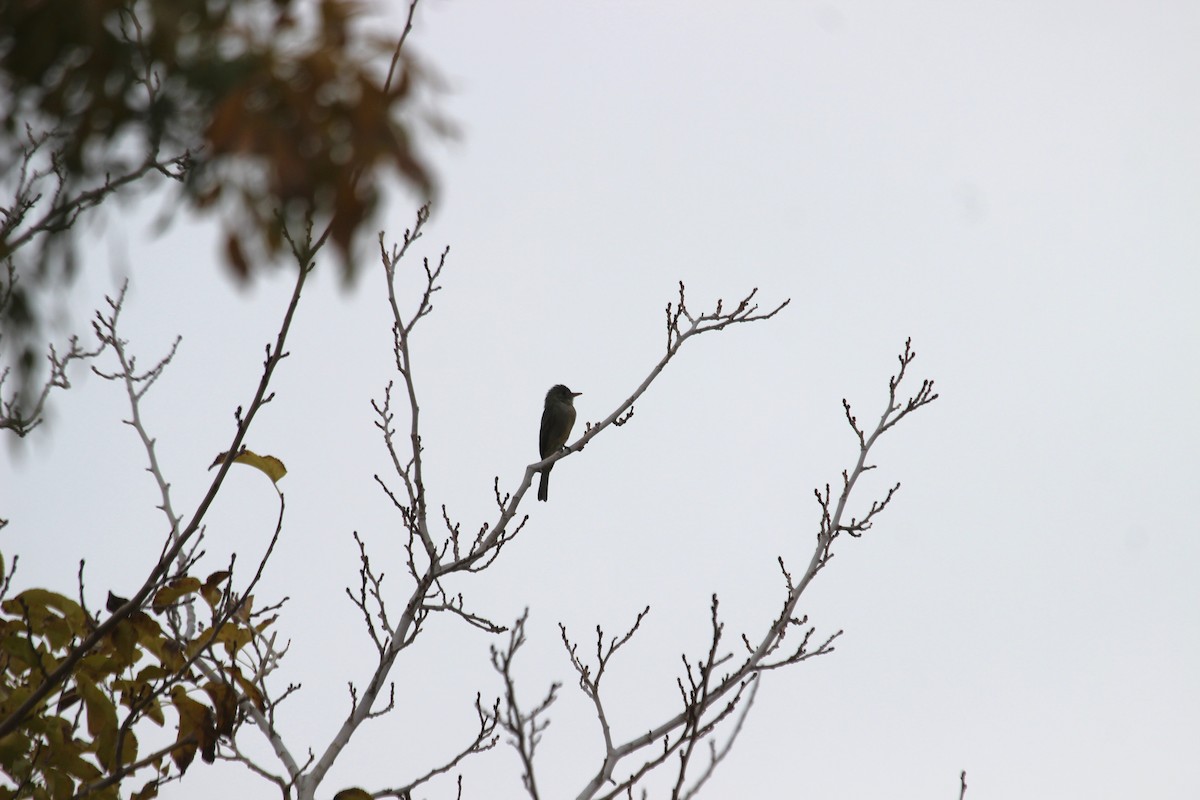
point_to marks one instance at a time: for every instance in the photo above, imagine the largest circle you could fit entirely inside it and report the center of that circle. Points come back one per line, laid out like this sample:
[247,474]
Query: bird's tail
[544,485]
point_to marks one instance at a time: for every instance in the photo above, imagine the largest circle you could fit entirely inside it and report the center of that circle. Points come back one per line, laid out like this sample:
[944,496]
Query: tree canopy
[265,113]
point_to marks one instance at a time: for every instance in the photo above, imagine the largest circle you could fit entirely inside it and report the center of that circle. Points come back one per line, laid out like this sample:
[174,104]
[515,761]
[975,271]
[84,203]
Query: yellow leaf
[249,690]
[173,591]
[271,466]
[233,637]
[35,605]
[211,590]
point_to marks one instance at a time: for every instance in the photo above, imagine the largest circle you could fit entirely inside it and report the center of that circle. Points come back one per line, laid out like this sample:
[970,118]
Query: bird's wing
[545,446]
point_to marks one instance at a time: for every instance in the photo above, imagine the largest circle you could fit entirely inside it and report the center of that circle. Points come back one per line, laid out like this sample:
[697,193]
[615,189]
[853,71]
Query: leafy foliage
[93,733]
[275,111]
[266,112]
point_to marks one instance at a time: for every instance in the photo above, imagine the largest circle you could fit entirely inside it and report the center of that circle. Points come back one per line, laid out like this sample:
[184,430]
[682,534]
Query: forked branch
[709,698]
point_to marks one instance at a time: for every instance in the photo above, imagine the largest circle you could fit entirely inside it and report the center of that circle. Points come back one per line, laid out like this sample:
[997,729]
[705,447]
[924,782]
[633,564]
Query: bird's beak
[576,394]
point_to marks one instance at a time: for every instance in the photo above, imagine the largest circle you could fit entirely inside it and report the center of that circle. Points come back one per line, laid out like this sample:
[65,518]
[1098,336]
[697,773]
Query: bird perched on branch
[557,421]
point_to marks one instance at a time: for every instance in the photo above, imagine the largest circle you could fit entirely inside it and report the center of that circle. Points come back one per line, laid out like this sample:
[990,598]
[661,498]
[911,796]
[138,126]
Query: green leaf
[18,647]
[13,746]
[59,783]
[101,716]
[129,748]
[124,640]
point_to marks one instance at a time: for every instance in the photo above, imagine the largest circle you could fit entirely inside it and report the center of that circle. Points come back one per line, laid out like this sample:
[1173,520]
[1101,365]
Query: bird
[557,420]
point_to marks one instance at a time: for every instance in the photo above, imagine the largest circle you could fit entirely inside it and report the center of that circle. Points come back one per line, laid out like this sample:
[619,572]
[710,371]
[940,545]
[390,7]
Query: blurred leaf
[18,647]
[236,257]
[13,746]
[59,783]
[273,123]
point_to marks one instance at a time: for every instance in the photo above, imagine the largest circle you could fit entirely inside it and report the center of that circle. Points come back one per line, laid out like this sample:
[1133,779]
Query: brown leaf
[196,730]
[114,602]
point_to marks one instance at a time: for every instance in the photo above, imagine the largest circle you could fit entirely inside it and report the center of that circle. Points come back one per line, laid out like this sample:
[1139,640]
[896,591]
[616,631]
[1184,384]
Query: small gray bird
[557,421]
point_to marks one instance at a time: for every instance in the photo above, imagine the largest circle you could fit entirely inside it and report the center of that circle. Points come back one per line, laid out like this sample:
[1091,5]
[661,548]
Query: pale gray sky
[1016,185]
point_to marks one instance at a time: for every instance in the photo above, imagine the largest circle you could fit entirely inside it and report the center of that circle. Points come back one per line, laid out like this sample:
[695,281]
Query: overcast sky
[1015,185]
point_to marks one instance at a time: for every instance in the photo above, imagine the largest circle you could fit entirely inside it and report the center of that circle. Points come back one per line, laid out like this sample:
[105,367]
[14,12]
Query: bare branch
[65,208]
[717,755]
[523,727]
[485,739]
[14,416]
[67,666]
[702,692]
[677,334]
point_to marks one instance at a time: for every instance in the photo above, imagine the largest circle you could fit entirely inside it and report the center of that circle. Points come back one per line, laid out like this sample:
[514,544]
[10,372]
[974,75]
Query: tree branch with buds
[712,687]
